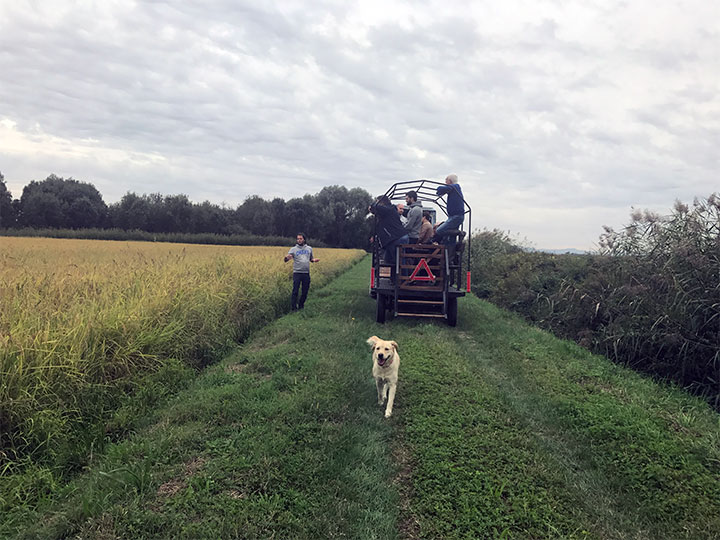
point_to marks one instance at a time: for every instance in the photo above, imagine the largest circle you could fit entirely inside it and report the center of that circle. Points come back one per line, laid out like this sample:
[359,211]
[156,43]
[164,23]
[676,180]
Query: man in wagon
[426,229]
[401,213]
[389,229]
[414,217]
[302,256]
[455,209]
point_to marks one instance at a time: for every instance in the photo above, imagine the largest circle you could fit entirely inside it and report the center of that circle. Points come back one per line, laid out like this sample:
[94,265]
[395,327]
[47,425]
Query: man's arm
[311,257]
[289,255]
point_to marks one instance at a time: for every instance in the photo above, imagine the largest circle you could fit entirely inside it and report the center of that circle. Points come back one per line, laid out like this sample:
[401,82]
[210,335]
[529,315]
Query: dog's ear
[394,344]
[373,340]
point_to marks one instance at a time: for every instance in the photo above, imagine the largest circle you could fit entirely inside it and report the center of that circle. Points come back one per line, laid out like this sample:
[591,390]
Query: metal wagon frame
[426,279]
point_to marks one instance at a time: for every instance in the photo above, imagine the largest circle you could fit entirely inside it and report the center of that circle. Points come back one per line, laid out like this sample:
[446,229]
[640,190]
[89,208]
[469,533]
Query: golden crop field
[80,316]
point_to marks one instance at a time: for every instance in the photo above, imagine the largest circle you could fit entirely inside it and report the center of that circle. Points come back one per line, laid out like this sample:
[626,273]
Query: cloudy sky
[557,116]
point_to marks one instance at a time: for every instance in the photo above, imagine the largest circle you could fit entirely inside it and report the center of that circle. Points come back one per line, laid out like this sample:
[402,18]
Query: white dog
[386,362]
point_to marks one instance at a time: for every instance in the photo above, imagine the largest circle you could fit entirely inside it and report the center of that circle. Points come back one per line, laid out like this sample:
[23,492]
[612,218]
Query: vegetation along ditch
[649,298]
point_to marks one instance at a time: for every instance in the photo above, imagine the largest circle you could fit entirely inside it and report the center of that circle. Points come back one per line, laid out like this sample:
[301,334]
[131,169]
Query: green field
[499,431]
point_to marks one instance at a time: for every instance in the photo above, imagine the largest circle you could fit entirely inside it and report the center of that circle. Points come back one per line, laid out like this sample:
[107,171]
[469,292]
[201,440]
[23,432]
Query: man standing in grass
[302,256]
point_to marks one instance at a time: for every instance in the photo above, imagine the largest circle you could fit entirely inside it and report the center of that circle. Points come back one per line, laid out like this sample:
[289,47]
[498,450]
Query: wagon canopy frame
[427,192]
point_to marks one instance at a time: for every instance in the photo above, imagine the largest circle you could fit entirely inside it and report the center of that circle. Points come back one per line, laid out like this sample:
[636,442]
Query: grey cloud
[665,58]
[235,98]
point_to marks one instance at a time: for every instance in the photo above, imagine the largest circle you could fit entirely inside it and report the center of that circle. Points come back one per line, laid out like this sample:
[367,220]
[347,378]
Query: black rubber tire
[380,309]
[452,311]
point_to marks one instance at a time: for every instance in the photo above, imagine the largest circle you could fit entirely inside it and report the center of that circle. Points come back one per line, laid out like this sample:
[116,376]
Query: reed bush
[84,324]
[650,298]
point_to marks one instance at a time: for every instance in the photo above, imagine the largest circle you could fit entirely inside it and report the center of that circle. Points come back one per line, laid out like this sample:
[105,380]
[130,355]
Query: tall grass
[664,312]
[649,299]
[82,321]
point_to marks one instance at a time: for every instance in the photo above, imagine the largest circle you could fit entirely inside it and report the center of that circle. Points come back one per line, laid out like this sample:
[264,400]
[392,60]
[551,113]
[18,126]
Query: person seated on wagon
[389,230]
[426,229]
[455,209]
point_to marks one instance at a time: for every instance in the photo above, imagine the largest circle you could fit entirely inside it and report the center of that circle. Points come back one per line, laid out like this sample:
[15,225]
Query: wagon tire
[380,309]
[452,311]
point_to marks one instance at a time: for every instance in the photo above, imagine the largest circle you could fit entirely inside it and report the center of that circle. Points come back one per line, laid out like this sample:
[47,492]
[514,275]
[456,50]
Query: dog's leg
[391,399]
[380,390]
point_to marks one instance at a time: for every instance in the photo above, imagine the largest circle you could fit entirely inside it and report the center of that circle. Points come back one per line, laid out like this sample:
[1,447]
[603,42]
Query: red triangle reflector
[422,265]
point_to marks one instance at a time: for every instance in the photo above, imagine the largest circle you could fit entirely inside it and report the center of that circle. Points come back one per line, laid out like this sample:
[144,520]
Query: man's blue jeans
[451,223]
[299,278]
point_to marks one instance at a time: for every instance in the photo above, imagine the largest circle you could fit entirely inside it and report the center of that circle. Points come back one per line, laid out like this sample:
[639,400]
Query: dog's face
[383,351]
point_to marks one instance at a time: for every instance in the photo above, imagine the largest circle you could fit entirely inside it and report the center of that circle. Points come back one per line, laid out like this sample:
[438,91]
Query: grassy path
[499,431]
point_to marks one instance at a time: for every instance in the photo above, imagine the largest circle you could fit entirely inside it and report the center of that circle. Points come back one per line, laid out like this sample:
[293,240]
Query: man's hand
[288,257]
[314,260]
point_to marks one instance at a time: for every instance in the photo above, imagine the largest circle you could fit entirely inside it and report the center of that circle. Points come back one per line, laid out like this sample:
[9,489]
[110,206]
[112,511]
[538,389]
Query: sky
[558,117]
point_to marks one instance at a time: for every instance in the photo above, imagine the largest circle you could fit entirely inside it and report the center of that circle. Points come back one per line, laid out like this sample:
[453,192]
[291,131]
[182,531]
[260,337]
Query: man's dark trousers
[298,279]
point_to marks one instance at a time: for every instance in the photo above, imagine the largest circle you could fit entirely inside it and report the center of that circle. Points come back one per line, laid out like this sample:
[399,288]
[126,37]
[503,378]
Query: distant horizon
[561,251]
[525,242]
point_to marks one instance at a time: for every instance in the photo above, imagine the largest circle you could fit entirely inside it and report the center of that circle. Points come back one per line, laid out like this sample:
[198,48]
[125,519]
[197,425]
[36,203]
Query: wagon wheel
[380,309]
[452,311]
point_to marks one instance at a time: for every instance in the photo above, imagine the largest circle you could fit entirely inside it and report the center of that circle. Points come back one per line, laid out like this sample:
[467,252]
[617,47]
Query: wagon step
[430,302]
[436,315]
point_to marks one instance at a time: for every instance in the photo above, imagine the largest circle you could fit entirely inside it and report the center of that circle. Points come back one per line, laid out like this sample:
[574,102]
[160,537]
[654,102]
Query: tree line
[336,215]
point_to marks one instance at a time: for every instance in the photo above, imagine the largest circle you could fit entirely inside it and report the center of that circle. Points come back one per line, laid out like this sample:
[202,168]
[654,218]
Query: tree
[41,209]
[209,218]
[7,210]
[279,224]
[303,215]
[343,212]
[158,220]
[56,202]
[255,215]
[179,211]
[131,213]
